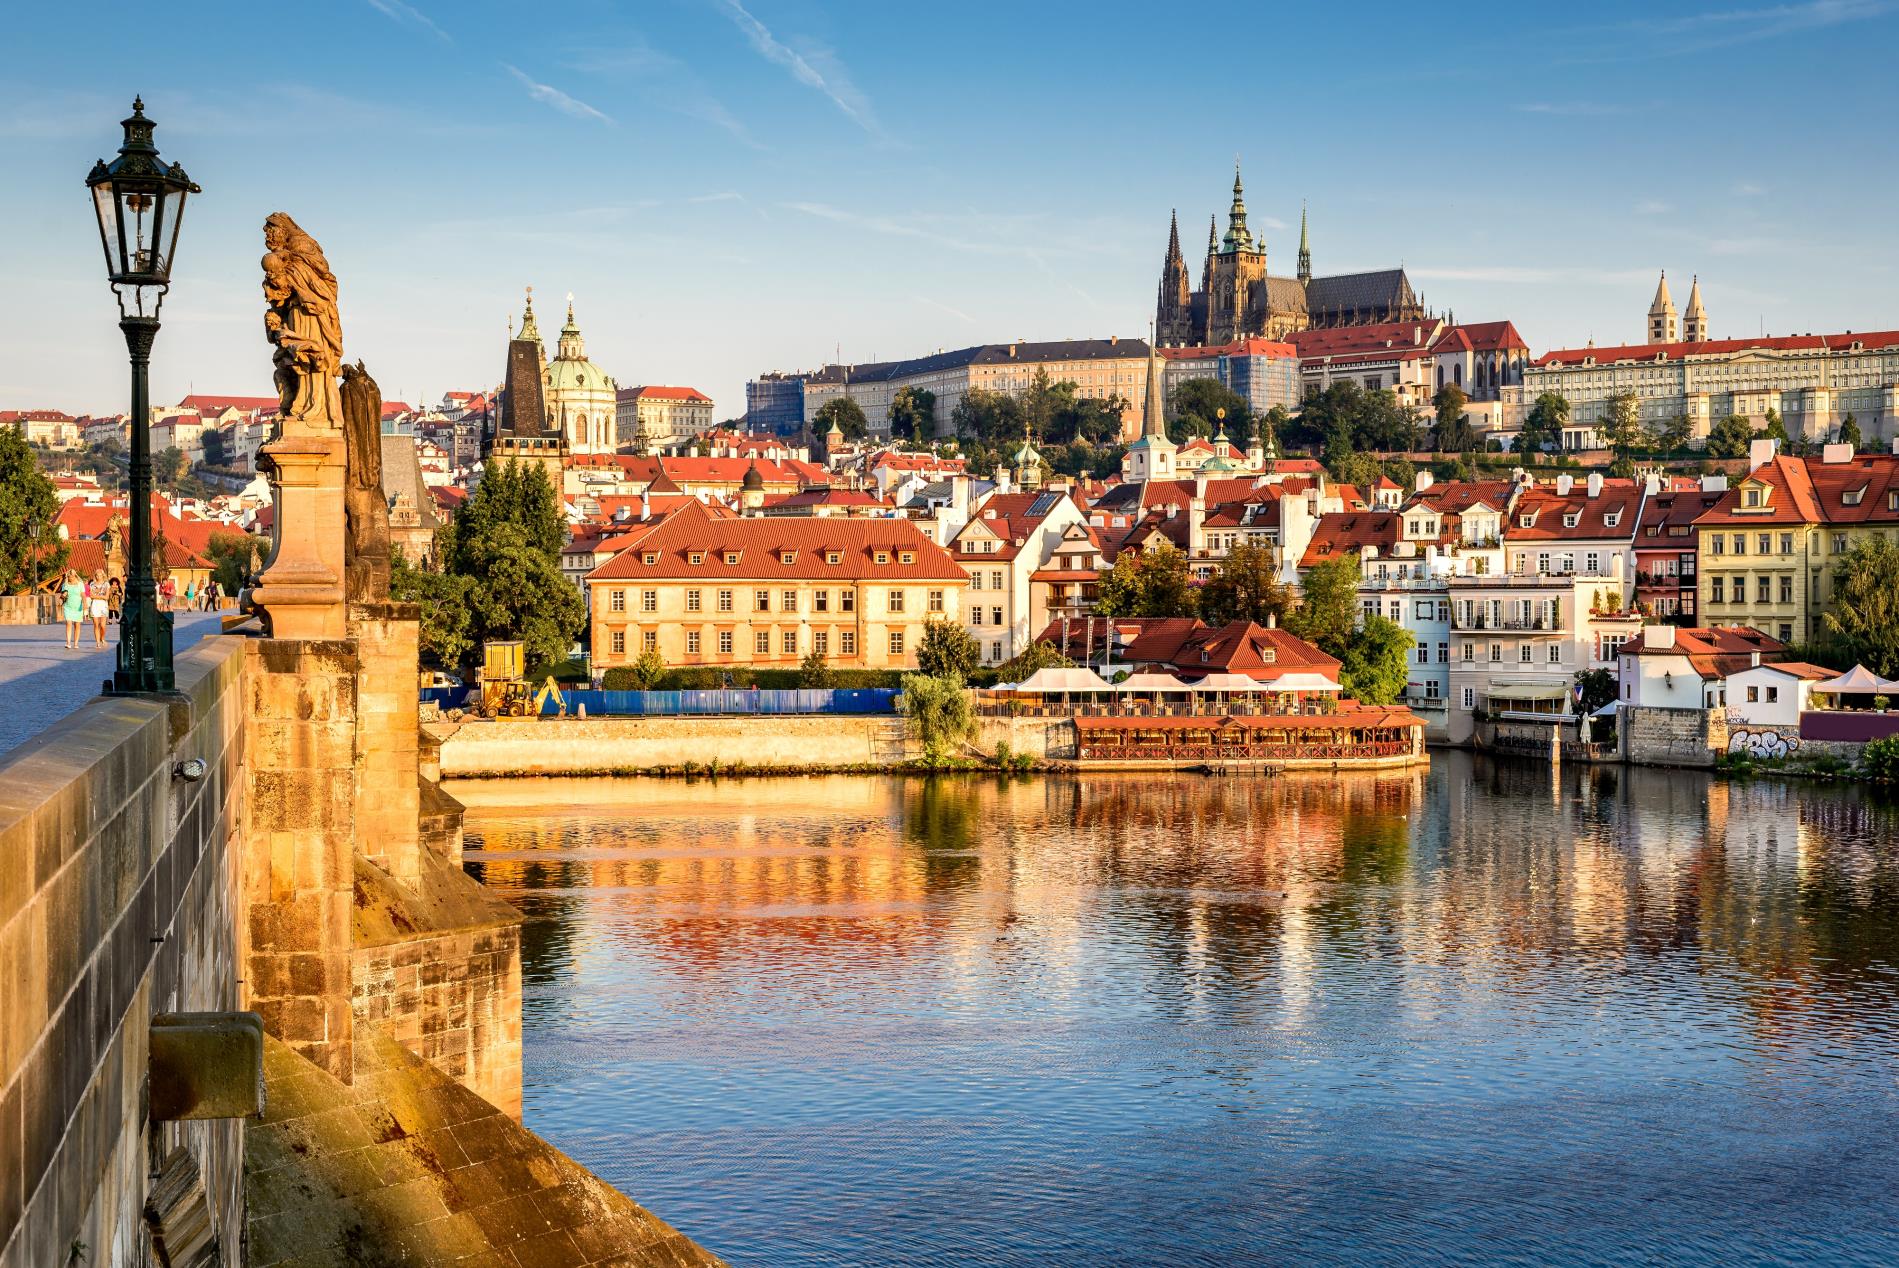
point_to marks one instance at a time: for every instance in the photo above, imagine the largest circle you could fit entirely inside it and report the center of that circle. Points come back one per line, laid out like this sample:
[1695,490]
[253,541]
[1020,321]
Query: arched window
[1457,375]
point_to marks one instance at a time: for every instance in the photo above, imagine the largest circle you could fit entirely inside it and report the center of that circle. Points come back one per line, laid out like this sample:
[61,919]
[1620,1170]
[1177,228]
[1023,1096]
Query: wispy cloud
[663,81]
[1748,189]
[1513,276]
[723,196]
[409,15]
[547,94]
[814,66]
[1674,35]
[1580,109]
[1653,207]
[957,313]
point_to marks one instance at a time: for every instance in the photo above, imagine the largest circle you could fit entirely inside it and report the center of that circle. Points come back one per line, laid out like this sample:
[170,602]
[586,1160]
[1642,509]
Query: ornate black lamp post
[140,201]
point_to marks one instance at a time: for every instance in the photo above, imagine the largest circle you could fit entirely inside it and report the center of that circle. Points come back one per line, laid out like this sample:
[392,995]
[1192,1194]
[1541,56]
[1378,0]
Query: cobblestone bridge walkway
[41,682]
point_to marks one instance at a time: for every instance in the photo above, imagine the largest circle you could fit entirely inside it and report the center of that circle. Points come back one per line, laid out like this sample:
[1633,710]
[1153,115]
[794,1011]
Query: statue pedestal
[301,589]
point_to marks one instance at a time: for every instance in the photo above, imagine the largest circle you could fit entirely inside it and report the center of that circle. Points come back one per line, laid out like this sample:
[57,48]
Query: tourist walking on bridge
[72,598]
[96,607]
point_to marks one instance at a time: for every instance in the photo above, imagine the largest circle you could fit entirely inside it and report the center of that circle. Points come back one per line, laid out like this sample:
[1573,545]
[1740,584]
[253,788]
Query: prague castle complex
[1238,299]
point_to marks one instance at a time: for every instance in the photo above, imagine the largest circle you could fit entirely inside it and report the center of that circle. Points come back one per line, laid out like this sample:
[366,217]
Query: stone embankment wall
[606,746]
[1672,737]
[118,900]
[1045,739]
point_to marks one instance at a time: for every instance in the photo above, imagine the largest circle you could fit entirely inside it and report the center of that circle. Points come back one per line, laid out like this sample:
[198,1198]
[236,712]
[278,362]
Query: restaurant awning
[1227,682]
[1530,691]
[1305,680]
[1055,679]
[1147,681]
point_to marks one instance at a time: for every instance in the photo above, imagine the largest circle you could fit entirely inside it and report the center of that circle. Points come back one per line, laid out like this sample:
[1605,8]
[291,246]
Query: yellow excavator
[505,691]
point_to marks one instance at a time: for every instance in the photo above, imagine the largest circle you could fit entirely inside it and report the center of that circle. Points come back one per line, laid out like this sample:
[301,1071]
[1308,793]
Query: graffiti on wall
[1763,742]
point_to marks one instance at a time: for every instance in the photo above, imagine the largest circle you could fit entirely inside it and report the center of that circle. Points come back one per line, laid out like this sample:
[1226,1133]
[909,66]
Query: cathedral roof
[1387,289]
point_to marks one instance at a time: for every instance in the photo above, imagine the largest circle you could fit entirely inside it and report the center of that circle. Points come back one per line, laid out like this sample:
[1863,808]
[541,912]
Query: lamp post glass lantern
[139,200]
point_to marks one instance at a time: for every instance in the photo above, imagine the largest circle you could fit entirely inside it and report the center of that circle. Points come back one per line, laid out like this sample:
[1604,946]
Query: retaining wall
[599,746]
[1671,737]
[118,900]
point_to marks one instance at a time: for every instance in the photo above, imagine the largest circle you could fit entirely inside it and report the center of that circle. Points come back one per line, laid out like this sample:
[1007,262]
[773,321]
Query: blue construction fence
[747,701]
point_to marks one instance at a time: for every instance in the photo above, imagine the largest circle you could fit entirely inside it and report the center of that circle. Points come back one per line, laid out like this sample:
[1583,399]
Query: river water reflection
[1477,1014]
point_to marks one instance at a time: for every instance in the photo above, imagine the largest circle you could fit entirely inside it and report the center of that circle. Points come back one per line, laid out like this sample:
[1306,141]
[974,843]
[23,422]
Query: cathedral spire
[1664,326]
[1694,319]
[572,348]
[1213,235]
[1238,237]
[1305,247]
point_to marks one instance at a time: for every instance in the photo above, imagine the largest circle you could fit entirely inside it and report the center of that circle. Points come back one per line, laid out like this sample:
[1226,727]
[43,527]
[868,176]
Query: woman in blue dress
[72,598]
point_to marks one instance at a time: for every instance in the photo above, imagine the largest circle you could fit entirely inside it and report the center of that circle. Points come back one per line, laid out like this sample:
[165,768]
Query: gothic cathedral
[1238,299]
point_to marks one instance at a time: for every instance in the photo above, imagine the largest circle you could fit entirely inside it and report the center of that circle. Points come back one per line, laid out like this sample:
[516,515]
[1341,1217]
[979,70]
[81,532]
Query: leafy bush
[568,670]
[815,673]
[939,714]
[1880,760]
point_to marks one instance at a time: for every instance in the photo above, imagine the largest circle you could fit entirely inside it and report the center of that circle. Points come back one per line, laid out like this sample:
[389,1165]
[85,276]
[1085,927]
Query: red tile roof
[1878,339]
[762,542]
[1379,337]
[1243,348]
[203,403]
[1195,649]
[1712,651]
[1549,512]
[659,393]
[1338,533]
[1813,491]
[80,519]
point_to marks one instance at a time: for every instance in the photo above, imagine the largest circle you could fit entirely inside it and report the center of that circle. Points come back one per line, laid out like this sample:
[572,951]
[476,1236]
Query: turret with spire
[1694,321]
[1305,248]
[572,347]
[530,331]
[1238,236]
[1664,326]
[1151,456]
[1173,310]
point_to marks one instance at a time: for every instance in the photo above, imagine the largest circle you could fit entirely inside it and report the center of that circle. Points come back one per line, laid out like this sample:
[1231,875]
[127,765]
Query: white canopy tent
[1856,681]
[1061,680]
[1149,681]
[1229,683]
[1303,681]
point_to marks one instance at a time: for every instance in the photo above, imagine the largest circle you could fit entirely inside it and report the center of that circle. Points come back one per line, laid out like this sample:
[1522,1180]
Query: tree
[1671,436]
[1155,582]
[1453,433]
[846,414]
[1329,604]
[947,650]
[168,468]
[646,671]
[1864,617]
[938,714]
[1345,417]
[1035,656]
[988,419]
[1849,432]
[1730,437]
[1597,688]
[1195,406]
[913,414]
[1245,588]
[505,542]
[815,672]
[1376,665]
[1622,421]
[27,501]
[1543,425]
[1775,429]
[444,602]
[235,558]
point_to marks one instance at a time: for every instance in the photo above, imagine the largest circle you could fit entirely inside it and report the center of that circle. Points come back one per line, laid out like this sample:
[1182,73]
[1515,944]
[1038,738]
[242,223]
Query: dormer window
[1571,519]
[787,557]
[1612,519]
[732,558]
[883,556]
[907,557]
[1853,497]
[833,556]
[695,557]
[649,558]
[1526,521]
[1750,497]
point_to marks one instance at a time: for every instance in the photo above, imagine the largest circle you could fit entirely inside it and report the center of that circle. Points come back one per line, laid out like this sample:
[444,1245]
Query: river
[1477,1014]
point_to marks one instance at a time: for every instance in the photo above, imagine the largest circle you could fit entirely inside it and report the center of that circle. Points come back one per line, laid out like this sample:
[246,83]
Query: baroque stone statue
[365,508]
[301,320]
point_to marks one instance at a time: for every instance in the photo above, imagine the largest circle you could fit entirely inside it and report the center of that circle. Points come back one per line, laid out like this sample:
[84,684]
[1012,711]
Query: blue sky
[731,186]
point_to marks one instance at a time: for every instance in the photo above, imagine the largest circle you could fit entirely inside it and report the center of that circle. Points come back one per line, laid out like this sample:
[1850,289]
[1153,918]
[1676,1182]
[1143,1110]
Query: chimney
[1197,519]
[1760,452]
[1714,484]
[1425,481]
[1653,484]
[1832,454]
[1658,637]
[1595,484]
[959,495]
[1564,483]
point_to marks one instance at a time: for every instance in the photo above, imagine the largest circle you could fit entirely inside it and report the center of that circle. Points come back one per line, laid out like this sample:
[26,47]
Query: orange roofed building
[766,592]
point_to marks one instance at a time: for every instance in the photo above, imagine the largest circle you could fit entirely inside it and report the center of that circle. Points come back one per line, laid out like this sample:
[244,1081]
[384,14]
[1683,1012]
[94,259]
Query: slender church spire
[1238,237]
[528,329]
[1694,319]
[1305,247]
[1153,415]
[1664,326]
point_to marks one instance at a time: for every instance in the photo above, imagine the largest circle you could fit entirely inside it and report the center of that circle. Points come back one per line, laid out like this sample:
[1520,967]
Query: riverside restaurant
[1220,722]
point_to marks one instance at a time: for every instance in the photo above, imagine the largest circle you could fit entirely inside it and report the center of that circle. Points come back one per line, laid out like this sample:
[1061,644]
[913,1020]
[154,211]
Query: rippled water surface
[1482,1014]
